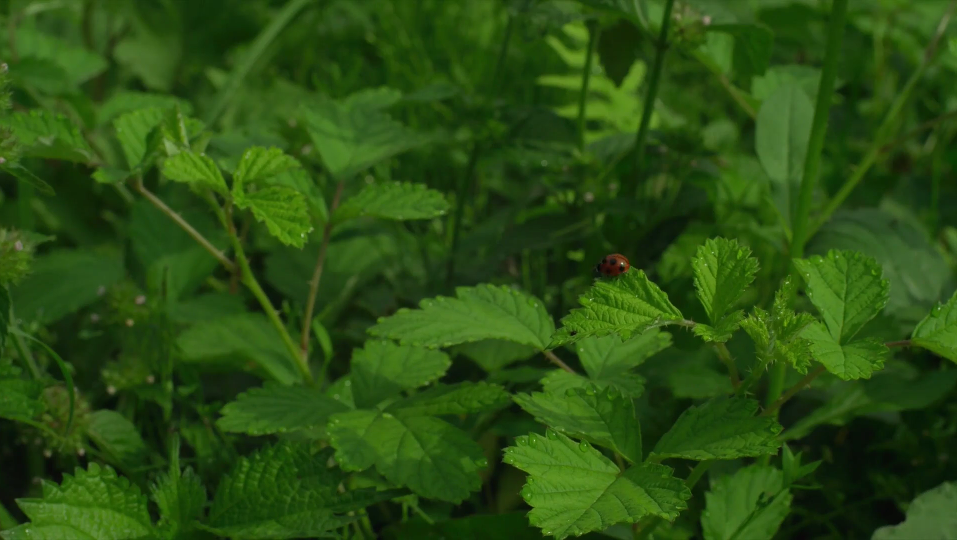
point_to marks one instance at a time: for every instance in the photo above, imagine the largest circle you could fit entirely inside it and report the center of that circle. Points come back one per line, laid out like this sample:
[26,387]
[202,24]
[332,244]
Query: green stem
[594,31]
[317,275]
[725,356]
[650,97]
[755,375]
[773,408]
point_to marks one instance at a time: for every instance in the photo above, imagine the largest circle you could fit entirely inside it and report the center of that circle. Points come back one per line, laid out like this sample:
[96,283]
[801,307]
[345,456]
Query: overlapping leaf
[382,369]
[938,331]
[195,169]
[393,200]
[283,210]
[277,408]
[460,398]
[720,428]
[751,503]
[116,436]
[858,359]
[722,272]
[259,163]
[181,498]
[932,515]
[132,130]
[777,334]
[44,134]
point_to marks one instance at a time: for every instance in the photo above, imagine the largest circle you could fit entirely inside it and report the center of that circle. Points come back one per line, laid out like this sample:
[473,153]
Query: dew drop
[552,435]
[584,446]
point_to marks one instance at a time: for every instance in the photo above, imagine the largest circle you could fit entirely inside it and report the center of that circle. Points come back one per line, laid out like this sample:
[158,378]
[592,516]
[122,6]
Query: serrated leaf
[858,359]
[478,313]
[48,135]
[277,408]
[720,428]
[259,163]
[132,130]
[116,436]
[181,498]
[777,334]
[722,271]
[195,169]
[93,504]
[433,458]
[573,489]
[626,305]
[609,356]
[382,369]
[938,331]
[559,381]
[284,491]
[602,417]
[847,289]
[751,503]
[932,515]
[494,354]
[394,200]
[723,330]
[446,399]
[283,210]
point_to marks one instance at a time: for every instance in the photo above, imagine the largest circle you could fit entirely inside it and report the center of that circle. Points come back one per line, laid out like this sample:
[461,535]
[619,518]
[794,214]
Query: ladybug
[613,265]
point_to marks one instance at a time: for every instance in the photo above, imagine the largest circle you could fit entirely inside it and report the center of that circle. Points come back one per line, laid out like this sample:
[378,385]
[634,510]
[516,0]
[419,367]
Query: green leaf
[276,408]
[47,135]
[382,369]
[116,436]
[4,316]
[20,172]
[511,526]
[433,458]
[126,101]
[723,330]
[782,130]
[847,289]
[284,491]
[559,381]
[394,200]
[283,210]
[573,489]
[181,499]
[260,163]
[751,503]
[752,48]
[932,515]
[19,398]
[494,354]
[720,428]
[93,504]
[858,359]
[351,137]
[478,313]
[79,63]
[722,272]
[448,399]
[623,8]
[626,305]
[777,334]
[606,418]
[195,169]
[938,331]
[132,130]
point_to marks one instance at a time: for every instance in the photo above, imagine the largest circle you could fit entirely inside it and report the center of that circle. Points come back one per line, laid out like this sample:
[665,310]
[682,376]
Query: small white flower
[129,322]
[140,300]
[111,390]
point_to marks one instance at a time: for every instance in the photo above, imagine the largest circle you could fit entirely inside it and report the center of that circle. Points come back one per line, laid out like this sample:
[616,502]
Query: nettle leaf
[751,503]
[720,428]
[259,163]
[285,491]
[723,330]
[92,504]
[117,436]
[858,359]
[432,457]
[447,399]
[394,200]
[382,369]
[478,313]
[48,135]
[19,398]
[574,489]
[777,334]
[847,288]
[277,408]
[351,136]
[282,209]
[606,418]
[195,169]
[181,498]
[132,131]
[626,305]
[722,272]
[938,331]
[931,515]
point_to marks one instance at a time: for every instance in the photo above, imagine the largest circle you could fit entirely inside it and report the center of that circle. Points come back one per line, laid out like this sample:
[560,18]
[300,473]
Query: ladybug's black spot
[573,333]
[612,261]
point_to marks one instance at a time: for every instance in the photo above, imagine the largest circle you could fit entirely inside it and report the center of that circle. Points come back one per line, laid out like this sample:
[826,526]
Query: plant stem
[594,31]
[178,219]
[650,97]
[772,409]
[725,356]
[896,107]
[755,375]
[317,275]
[896,344]
[553,358]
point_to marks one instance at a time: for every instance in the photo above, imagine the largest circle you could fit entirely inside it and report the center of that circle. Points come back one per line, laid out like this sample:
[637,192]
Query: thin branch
[317,275]
[158,203]
[557,361]
[896,344]
[916,131]
[813,374]
[725,356]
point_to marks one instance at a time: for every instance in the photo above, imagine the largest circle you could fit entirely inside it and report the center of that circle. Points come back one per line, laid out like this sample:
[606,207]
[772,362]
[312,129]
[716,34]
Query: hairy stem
[725,356]
[317,275]
[772,409]
[594,31]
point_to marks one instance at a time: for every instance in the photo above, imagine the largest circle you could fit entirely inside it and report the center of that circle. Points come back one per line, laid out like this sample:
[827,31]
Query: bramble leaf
[285,491]
[932,515]
[855,360]
[777,334]
[720,428]
[117,437]
[722,272]
[559,381]
[195,169]
[93,504]
[259,163]
[181,498]
[430,456]
[133,129]
[478,313]
[602,417]
[393,200]
[282,209]
[573,489]
[626,305]
[47,135]
[445,399]
[277,408]
[938,331]
[847,288]
[751,503]
[382,369]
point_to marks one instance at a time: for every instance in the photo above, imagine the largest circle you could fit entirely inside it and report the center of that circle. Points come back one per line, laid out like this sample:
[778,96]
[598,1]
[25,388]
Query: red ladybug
[613,265]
